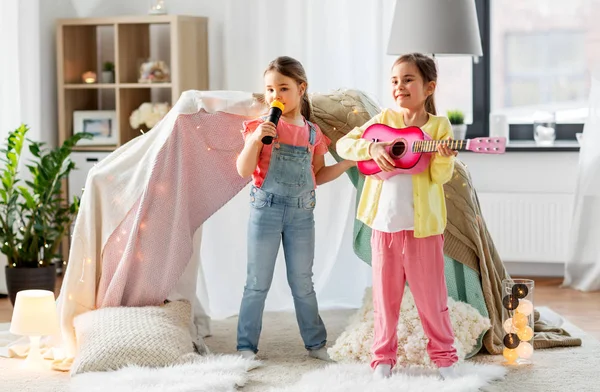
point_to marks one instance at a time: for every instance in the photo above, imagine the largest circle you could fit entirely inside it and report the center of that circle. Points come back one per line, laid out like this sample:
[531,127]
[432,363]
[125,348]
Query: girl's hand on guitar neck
[445,151]
[381,157]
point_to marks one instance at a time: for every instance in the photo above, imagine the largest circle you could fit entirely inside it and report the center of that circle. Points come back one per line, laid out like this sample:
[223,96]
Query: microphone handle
[274,115]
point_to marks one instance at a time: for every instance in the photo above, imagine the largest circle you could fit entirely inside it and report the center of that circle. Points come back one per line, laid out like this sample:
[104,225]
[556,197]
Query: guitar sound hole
[397,149]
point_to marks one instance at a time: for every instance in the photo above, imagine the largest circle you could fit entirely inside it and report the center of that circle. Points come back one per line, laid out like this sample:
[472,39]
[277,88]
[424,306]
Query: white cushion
[152,336]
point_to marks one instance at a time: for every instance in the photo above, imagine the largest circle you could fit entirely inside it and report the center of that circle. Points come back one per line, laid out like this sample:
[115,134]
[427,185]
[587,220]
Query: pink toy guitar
[412,147]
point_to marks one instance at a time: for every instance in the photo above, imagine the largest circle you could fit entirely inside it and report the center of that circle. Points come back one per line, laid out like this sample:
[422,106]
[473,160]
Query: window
[541,54]
[455,86]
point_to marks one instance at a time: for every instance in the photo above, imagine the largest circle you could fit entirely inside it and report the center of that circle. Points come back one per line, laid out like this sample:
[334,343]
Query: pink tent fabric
[192,177]
[132,238]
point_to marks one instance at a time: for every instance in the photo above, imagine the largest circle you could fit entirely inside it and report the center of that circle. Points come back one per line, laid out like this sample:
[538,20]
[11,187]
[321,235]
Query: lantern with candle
[89,77]
[517,320]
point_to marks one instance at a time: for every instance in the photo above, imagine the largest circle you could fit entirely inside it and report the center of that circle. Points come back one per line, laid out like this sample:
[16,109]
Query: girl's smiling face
[408,88]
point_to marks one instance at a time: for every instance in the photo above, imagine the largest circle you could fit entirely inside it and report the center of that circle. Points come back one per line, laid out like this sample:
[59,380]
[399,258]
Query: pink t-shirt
[287,134]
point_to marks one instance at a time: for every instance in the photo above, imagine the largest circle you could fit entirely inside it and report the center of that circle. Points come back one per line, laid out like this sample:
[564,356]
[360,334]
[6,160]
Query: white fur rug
[287,368]
[358,378]
[215,373]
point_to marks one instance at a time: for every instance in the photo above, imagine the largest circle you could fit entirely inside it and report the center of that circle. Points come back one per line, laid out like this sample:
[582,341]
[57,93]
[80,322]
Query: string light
[510,302]
[525,333]
[520,290]
[525,307]
[508,326]
[511,355]
[511,340]
[525,350]
[520,320]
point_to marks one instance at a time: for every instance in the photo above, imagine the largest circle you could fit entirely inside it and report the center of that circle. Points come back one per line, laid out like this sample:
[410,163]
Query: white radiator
[528,227]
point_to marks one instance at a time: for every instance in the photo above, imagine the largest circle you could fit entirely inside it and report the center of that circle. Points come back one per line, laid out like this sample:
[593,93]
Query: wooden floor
[582,309]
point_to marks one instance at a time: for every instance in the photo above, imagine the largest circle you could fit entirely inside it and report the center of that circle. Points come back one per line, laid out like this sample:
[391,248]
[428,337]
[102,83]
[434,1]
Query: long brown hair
[292,68]
[427,69]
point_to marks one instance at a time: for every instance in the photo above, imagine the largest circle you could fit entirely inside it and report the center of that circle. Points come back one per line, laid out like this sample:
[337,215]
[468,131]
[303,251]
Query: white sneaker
[320,353]
[381,371]
[247,354]
[448,372]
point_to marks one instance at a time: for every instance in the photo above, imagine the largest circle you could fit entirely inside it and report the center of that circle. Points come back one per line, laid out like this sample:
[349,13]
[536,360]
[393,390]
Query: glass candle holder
[517,320]
[544,128]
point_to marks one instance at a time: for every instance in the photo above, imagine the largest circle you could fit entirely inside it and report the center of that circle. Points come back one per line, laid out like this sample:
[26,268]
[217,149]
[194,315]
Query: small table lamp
[447,27]
[34,315]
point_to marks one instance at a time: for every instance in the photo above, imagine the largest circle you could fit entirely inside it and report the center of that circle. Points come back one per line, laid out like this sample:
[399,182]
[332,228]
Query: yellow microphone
[274,114]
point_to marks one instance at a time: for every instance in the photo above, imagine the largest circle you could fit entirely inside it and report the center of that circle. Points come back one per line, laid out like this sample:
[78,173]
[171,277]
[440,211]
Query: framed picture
[100,123]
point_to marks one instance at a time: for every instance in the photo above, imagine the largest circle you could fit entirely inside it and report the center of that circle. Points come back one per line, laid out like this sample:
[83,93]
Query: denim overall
[282,211]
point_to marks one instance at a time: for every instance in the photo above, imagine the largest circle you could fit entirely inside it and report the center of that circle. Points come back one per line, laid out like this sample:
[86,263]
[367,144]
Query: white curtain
[582,270]
[10,90]
[341,43]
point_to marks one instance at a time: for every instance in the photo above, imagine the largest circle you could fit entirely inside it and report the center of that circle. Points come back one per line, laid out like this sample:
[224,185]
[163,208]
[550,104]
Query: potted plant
[457,120]
[34,217]
[108,72]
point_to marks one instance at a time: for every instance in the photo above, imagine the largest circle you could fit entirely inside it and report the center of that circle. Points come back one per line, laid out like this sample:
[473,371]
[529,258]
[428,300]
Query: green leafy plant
[33,215]
[108,66]
[456,117]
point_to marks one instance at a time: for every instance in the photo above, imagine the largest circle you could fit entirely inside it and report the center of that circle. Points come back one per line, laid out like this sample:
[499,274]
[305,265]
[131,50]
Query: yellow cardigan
[428,192]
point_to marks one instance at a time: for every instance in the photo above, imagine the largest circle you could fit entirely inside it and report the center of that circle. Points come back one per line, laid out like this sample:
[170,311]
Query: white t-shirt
[395,211]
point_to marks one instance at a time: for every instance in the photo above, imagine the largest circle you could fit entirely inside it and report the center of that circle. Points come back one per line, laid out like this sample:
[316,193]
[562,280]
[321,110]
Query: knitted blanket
[467,239]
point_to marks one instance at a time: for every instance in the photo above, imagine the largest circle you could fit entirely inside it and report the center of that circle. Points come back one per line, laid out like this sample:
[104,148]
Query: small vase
[460,131]
[107,77]
[517,320]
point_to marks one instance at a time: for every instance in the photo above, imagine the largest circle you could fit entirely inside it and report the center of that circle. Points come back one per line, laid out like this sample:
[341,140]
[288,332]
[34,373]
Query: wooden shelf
[86,44]
[145,85]
[94,148]
[88,86]
[92,86]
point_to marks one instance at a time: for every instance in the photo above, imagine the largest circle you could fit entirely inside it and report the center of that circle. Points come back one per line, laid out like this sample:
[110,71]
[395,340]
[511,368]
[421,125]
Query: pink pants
[397,258]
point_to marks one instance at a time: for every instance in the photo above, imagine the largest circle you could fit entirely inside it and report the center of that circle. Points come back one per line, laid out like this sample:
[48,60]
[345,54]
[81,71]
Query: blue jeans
[290,220]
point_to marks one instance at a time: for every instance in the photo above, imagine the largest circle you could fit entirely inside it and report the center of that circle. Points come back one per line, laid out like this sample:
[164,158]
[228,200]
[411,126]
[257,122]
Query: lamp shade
[435,27]
[34,314]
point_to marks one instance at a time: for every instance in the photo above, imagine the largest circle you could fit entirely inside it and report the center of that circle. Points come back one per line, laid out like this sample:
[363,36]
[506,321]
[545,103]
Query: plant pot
[460,131]
[107,77]
[17,279]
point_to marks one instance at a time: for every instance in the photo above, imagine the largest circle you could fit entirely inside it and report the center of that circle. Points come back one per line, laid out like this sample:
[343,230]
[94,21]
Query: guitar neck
[432,145]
